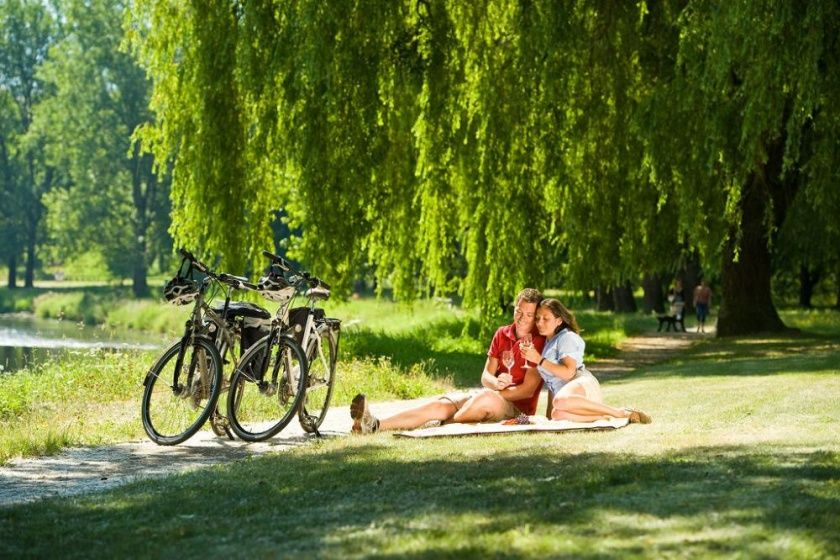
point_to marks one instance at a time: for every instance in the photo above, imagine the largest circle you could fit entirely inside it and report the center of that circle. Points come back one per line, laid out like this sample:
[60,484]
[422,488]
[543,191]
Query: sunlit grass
[735,464]
[742,460]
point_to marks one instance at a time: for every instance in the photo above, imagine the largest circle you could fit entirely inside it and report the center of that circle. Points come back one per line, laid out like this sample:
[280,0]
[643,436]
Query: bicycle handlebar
[279,261]
[237,282]
[311,281]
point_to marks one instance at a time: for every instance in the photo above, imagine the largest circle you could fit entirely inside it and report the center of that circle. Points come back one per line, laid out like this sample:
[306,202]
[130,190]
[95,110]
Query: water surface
[26,340]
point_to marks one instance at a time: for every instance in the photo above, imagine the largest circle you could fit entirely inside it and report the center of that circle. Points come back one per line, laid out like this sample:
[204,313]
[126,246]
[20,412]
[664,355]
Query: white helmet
[180,291]
[275,287]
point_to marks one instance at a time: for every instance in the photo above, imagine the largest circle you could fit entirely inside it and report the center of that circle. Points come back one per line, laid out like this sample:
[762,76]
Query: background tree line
[72,178]
[436,146]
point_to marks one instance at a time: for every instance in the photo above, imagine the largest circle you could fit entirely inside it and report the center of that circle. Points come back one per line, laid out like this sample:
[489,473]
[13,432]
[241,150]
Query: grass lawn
[742,460]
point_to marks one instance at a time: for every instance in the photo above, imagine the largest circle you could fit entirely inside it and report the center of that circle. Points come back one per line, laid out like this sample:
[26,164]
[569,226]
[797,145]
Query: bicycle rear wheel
[265,393]
[173,411]
[320,381]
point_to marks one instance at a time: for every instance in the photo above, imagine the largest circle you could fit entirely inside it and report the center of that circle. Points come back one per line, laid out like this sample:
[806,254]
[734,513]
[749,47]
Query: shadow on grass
[757,356]
[404,501]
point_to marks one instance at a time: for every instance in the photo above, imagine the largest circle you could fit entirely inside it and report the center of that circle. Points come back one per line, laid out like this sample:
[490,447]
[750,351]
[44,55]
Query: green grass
[387,351]
[742,461]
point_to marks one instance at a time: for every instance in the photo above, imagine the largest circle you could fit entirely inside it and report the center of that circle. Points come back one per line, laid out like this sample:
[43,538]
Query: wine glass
[525,345]
[508,359]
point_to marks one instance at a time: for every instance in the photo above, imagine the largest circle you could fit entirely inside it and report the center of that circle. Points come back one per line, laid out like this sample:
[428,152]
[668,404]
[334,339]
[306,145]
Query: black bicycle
[292,369]
[183,386]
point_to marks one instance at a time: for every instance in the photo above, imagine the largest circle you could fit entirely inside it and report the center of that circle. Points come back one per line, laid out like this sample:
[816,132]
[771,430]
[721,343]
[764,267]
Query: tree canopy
[483,146]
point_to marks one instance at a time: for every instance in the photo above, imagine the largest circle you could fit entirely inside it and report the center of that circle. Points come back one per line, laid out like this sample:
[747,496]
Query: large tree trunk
[808,280]
[604,298]
[747,306]
[31,242]
[623,297]
[141,175]
[837,279]
[12,262]
[653,298]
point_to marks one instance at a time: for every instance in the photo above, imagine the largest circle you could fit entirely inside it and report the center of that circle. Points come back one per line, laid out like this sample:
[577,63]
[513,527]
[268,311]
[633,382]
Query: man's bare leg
[441,410]
[364,422]
[484,407]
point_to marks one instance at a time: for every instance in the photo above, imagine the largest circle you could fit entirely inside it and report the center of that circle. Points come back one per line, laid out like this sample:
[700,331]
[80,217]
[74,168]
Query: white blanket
[538,424]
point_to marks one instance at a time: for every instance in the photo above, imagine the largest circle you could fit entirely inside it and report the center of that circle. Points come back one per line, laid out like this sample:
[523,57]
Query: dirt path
[91,469]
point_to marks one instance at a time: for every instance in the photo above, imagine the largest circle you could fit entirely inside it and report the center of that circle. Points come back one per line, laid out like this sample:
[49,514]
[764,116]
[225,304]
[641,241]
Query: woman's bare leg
[561,415]
[571,400]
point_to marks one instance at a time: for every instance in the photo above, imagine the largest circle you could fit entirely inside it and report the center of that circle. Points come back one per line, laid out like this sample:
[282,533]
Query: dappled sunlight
[381,496]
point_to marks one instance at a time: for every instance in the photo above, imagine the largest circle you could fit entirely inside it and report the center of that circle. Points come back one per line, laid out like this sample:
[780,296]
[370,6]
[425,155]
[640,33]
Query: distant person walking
[702,303]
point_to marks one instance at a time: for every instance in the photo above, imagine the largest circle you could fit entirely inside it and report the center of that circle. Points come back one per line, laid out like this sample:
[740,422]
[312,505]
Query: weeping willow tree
[481,146]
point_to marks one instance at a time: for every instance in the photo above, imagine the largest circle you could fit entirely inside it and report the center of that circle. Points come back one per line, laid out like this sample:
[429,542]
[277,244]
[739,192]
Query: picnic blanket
[537,424]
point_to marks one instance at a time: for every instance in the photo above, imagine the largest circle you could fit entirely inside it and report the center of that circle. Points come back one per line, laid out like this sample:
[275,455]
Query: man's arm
[525,389]
[488,376]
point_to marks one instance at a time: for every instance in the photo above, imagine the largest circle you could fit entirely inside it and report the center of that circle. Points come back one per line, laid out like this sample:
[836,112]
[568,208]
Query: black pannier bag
[253,329]
[297,321]
[255,321]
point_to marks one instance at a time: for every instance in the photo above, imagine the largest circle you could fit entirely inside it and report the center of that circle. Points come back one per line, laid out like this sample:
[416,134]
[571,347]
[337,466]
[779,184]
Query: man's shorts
[702,310]
[460,398]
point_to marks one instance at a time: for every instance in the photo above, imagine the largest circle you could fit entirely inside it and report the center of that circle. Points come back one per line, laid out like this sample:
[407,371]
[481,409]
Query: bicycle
[301,364]
[179,396]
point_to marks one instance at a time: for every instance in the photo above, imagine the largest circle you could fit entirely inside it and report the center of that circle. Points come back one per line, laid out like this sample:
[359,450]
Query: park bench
[674,320]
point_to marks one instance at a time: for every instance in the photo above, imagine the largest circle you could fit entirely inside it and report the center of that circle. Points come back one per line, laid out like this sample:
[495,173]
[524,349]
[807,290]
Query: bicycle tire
[171,416]
[319,386]
[260,406]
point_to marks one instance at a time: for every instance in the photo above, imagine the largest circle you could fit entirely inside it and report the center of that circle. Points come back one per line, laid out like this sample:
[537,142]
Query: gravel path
[90,469]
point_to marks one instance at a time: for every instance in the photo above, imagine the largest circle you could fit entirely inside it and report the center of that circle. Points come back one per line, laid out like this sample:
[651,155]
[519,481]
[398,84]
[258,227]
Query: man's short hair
[529,295]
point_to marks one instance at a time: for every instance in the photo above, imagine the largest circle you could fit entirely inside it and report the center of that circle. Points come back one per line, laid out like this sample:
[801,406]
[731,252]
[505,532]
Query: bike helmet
[275,287]
[180,291]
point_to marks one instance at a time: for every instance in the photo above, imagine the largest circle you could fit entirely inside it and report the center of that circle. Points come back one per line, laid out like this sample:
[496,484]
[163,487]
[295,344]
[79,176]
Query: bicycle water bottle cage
[275,287]
[180,291]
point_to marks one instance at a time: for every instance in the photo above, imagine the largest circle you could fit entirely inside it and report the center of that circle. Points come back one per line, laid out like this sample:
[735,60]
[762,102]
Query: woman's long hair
[559,310]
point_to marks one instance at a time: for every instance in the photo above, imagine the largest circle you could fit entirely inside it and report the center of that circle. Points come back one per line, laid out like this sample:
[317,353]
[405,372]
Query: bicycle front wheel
[320,379]
[180,395]
[266,388]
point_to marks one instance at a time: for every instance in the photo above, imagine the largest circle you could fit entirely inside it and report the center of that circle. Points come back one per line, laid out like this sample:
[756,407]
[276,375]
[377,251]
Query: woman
[577,394]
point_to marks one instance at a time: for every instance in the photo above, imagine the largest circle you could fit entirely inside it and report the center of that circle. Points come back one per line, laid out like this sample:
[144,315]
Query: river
[26,340]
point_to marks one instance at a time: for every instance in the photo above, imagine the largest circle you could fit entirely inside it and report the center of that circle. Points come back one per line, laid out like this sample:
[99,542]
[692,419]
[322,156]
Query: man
[506,394]
[702,303]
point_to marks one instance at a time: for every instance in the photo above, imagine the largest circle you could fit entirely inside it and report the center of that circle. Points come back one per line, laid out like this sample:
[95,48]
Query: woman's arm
[565,370]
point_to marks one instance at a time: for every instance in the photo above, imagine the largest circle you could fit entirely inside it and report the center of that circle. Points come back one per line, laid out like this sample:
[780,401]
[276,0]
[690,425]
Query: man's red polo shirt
[505,339]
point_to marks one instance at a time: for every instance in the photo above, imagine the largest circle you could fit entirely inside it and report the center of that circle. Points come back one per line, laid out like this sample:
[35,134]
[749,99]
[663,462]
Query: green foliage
[12,301]
[485,146]
[72,306]
[110,199]
[27,30]
[89,266]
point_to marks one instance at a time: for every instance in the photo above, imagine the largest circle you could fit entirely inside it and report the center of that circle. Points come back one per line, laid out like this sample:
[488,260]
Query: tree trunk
[623,297]
[31,239]
[141,176]
[604,298]
[12,271]
[653,298]
[747,305]
[808,280]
